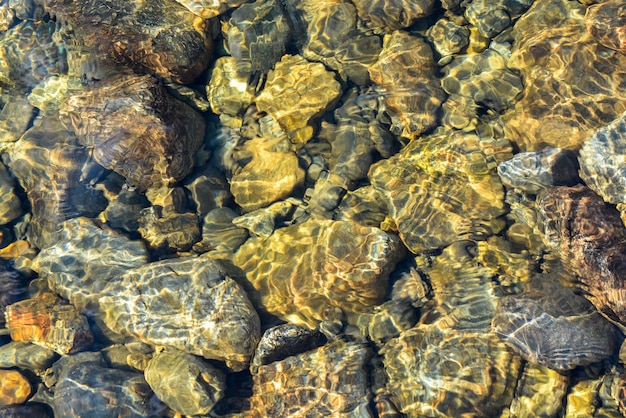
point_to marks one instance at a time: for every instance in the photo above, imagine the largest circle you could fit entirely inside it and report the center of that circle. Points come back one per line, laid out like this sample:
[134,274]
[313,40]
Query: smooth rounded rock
[15,388]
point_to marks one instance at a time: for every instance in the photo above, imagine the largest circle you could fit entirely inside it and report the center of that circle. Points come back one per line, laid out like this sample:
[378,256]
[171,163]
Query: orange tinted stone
[14,387]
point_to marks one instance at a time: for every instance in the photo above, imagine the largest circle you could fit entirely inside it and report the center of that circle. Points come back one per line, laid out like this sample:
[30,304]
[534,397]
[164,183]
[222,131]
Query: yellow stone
[15,388]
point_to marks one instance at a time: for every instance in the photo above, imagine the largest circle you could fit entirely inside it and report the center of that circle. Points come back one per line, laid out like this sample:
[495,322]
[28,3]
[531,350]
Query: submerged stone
[388,15]
[135,129]
[190,304]
[329,381]
[184,382]
[606,22]
[16,388]
[550,325]
[302,271]
[26,356]
[420,185]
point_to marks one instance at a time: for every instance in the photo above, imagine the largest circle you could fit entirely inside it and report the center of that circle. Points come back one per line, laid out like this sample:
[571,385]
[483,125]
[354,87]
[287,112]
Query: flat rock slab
[189,304]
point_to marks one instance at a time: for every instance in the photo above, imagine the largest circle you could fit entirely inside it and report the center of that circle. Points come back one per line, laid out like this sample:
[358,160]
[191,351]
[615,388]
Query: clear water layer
[298,208]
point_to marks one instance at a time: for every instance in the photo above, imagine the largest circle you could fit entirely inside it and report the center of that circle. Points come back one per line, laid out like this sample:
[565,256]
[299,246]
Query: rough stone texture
[573,84]
[590,239]
[10,205]
[258,33]
[330,32]
[184,382]
[169,233]
[606,22]
[47,321]
[26,356]
[301,272]
[88,388]
[190,304]
[534,171]
[15,388]
[271,175]
[160,36]
[447,37]
[484,78]
[541,392]
[438,371]
[48,162]
[602,162]
[388,15]
[15,118]
[550,325]
[295,93]
[85,258]
[405,73]
[420,185]
[329,381]
[135,129]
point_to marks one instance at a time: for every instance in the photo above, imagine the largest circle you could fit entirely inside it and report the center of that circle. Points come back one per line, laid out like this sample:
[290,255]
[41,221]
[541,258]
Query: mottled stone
[263,222]
[184,382]
[488,16]
[295,93]
[124,210]
[268,177]
[48,163]
[606,22]
[388,15]
[219,234]
[26,356]
[590,239]
[88,388]
[85,258]
[12,288]
[168,233]
[210,8]
[484,78]
[329,381]
[447,37]
[405,73]
[28,410]
[258,33]
[572,84]
[209,190]
[47,321]
[302,271]
[420,185]
[15,118]
[15,388]
[159,36]
[364,206]
[228,89]
[437,371]
[190,304]
[330,32]
[282,341]
[135,129]
[550,325]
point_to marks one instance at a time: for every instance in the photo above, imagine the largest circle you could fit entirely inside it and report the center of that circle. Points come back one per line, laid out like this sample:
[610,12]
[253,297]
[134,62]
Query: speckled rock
[160,37]
[258,33]
[282,341]
[484,78]
[534,171]
[47,321]
[550,325]
[168,233]
[420,187]
[590,239]
[135,129]
[210,8]
[26,356]
[489,17]
[331,33]
[447,37]
[606,22]
[89,388]
[271,175]
[295,93]
[47,151]
[15,388]
[443,372]
[388,15]
[603,163]
[302,271]
[190,304]
[228,89]
[85,258]
[572,84]
[405,73]
[184,382]
[329,381]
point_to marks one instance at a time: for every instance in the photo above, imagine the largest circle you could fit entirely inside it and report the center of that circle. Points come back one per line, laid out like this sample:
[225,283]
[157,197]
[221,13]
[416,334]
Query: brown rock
[15,388]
